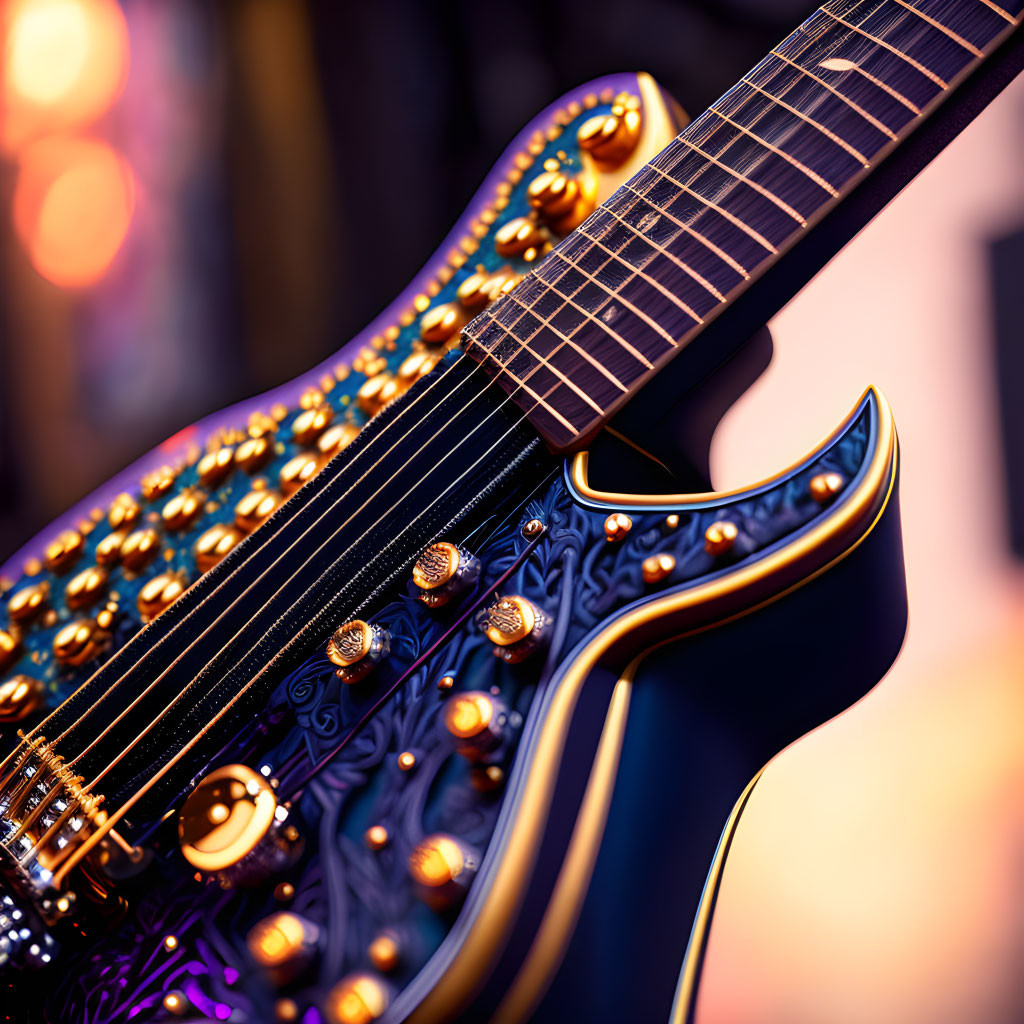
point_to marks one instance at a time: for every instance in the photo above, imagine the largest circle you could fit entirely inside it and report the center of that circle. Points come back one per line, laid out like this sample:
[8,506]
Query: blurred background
[201,200]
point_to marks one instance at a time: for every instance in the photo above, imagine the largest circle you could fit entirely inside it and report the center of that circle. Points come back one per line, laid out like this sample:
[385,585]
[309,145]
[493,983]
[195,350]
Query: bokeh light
[73,205]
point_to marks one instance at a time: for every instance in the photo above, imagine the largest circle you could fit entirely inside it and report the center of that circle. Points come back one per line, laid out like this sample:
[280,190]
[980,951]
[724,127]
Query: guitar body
[494,787]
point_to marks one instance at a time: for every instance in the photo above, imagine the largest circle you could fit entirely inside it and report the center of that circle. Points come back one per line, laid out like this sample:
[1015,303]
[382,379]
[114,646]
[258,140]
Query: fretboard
[737,189]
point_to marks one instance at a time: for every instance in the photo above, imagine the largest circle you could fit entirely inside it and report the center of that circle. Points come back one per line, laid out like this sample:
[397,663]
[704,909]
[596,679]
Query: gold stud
[139,548]
[182,510]
[825,486]
[376,837]
[376,393]
[86,588]
[124,512]
[286,1010]
[486,779]
[108,551]
[283,945]
[336,438]
[63,551]
[260,425]
[311,423]
[419,364]
[157,483]
[657,567]
[295,472]
[445,683]
[436,566]
[469,715]
[440,324]
[28,602]
[356,647]
[158,594]
[214,466]
[253,453]
[356,999]
[284,892]
[311,398]
[617,526]
[406,761]
[176,1003]
[170,943]
[384,952]
[19,697]
[214,543]
[719,537]
[517,235]
[610,138]
[255,509]
[560,200]
[671,522]
[81,641]
[533,528]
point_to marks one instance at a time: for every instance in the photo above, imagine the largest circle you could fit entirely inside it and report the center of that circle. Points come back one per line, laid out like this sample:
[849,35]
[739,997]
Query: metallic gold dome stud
[158,594]
[477,722]
[610,138]
[255,509]
[376,393]
[260,425]
[384,952]
[406,760]
[356,999]
[517,236]
[657,567]
[80,641]
[176,1003]
[487,778]
[671,523]
[442,868]
[19,697]
[356,648]
[63,551]
[124,512]
[108,551]
[473,292]
[444,572]
[157,483]
[181,511]
[283,945]
[232,826]
[560,200]
[510,620]
[719,537]
[295,472]
[254,453]
[311,423]
[419,364]
[86,588]
[533,528]
[213,544]
[441,323]
[825,486]
[284,892]
[617,526]
[376,837]
[28,602]
[139,549]
[336,438]
[214,466]
[170,943]
[445,683]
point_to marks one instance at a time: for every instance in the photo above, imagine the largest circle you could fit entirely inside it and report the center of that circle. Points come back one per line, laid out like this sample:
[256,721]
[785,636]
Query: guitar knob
[515,626]
[443,572]
[356,647]
[477,722]
[232,827]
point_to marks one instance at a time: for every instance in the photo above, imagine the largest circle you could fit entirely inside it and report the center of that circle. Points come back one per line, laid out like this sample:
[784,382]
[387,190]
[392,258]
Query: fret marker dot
[837,64]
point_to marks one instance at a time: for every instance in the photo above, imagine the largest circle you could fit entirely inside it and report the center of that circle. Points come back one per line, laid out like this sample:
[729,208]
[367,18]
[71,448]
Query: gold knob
[124,512]
[283,945]
[518,236]
[183,509]
[443,572]
[28,602]
[86,588]
[214,543]
[254,453]
[158,594]
[311,423]
[9,647]
[610,138]
[720,537]
[255,509]
[357,999]
[157,483]
[356,647]
[560,200]
[63,551]
[295,472]
[440,323]
[214,466]
[19,697]
[139,549]
[79,642]
[337,438]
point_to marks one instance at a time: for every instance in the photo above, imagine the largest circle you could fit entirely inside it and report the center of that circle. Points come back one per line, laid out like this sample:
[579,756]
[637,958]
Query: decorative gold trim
[578,463]
[494,918]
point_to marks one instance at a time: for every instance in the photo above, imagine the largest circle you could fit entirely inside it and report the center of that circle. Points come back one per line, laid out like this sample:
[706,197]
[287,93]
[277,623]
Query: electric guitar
[420,688]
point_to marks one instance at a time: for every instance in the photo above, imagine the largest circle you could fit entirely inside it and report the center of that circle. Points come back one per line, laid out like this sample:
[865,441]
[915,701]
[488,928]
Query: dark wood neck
[732,196]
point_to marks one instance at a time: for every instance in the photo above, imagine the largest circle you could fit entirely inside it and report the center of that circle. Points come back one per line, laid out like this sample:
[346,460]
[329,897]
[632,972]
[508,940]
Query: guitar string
[541,360]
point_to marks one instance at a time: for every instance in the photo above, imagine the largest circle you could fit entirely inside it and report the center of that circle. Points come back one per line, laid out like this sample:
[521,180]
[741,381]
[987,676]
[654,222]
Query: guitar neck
[714,235]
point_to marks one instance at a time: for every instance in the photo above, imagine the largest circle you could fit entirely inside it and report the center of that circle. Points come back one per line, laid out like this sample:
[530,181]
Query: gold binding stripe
[858,514]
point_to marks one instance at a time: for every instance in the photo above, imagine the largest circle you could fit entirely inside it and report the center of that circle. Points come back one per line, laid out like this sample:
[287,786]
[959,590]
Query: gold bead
[441,323]
[255,509]
[284,892]
[286,1010]
[356,999]
[80,641]
[253,454]
[282,945]
[376,393]
[19,697]
[672,522]
[469,715]
[376,837]
[610,138]
[384,952]
[336,438]
[617,526]
[487,778]
[139,548]
[657,567]
[719,537]
[157,483]
[311,397]
[311,423]
[473,293]
[63,551]
[108,551]
[214,543]
[183,509]
[560,200]
[514,237]
[214,466]
[350,643]
[176,1003]
[533,528]
[406,761]
[124,512]
[260,425]
[170,943]
[436,861]
[419,364]
[28,602]
[158,594]
[295,472]
[825,486]
[86,588]
[445,683]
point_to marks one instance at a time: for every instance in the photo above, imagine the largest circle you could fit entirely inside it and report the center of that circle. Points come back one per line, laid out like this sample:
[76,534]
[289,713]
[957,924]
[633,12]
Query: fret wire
[813,175]
[721,253]
[567,339]
[781,204]
[941,83]
[699,278]
[629,305]
[852,150]
[942,28]
[756,236]
[846,99]
[689,311]
[1004,14]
